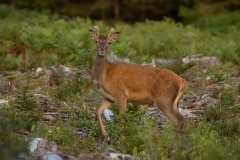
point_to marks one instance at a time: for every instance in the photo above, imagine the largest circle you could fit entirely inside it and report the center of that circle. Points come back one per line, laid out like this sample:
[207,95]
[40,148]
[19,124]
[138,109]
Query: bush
[123,131]
[17,118]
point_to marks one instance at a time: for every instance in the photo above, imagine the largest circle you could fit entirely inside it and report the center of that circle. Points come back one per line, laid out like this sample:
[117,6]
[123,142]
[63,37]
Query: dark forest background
[129,10]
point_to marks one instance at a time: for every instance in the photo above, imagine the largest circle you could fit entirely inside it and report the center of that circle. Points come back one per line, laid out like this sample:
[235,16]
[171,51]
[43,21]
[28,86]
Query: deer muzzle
[101,52]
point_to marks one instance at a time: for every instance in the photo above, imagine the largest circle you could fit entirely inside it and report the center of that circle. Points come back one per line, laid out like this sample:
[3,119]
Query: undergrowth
[215,135]
[46,39]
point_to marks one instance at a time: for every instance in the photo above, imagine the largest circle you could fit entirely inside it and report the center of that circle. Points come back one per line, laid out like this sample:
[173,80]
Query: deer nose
[101,51]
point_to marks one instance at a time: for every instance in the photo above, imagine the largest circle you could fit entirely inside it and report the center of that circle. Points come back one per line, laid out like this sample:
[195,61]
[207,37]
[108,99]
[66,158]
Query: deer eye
[95,41]
[109,43]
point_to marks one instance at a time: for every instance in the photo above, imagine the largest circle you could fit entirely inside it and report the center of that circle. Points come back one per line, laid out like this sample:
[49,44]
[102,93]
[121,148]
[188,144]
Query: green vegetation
[45,40]
[30,40]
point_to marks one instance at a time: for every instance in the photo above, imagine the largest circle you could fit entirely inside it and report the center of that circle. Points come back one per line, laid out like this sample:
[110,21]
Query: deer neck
[100,67]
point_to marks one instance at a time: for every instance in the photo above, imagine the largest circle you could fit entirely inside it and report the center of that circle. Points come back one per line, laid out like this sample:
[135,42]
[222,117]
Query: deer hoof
[108,140]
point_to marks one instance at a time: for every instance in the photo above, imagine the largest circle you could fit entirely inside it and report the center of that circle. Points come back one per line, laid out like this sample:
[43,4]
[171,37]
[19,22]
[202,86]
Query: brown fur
[122,83]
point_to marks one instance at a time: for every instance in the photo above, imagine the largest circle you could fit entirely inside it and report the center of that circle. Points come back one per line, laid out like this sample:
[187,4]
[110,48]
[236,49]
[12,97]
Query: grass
[30,40]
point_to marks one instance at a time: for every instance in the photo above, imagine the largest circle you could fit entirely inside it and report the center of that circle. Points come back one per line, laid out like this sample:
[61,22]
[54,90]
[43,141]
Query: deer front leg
[105,104]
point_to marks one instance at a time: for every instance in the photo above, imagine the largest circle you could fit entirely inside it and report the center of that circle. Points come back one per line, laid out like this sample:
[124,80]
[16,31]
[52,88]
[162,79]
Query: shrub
[17,118]
[224,118]
[123,131]
[9,63]
[24,111]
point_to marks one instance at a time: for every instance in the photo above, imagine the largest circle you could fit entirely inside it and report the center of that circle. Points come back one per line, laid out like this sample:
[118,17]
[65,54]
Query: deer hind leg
[181,126]
[170,110]
[105,104]
[174,116]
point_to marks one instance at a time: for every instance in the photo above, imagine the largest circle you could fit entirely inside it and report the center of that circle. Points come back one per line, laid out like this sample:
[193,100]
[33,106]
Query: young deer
[122,83]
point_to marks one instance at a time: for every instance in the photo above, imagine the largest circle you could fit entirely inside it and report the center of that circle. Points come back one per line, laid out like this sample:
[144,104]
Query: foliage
[50,40]
[11,144]
[204,8]
[9,63]
[17,118]
[224,118]
[65,132]
[77,86]
[124,127]
[23,112]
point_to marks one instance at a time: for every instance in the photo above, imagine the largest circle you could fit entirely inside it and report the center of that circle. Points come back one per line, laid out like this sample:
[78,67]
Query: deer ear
[112,35]
[94,33]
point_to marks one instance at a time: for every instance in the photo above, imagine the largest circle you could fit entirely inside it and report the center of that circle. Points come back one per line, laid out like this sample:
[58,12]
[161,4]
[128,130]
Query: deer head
[102,41]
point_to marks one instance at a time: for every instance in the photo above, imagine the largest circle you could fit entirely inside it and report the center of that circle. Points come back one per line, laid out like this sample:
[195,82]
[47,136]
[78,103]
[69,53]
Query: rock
[83,132]
[187,113]
[47,118]
[203,62]
[114,58]
[45,102]
[152,63]
[106,156]
[41,149]
[52,156]
[39,69]
[5,85]
[166,61]
[107,113]
[40,145]
[110,154]
[208,102]
[33,145]
[204,100]
[3,101]
[58,73]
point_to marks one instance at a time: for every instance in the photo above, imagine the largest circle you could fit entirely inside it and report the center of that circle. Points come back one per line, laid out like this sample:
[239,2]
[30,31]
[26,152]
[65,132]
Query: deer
[121,83]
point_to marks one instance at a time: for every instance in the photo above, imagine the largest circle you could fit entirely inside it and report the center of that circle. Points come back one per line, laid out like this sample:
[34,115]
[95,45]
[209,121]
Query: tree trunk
[116,10]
